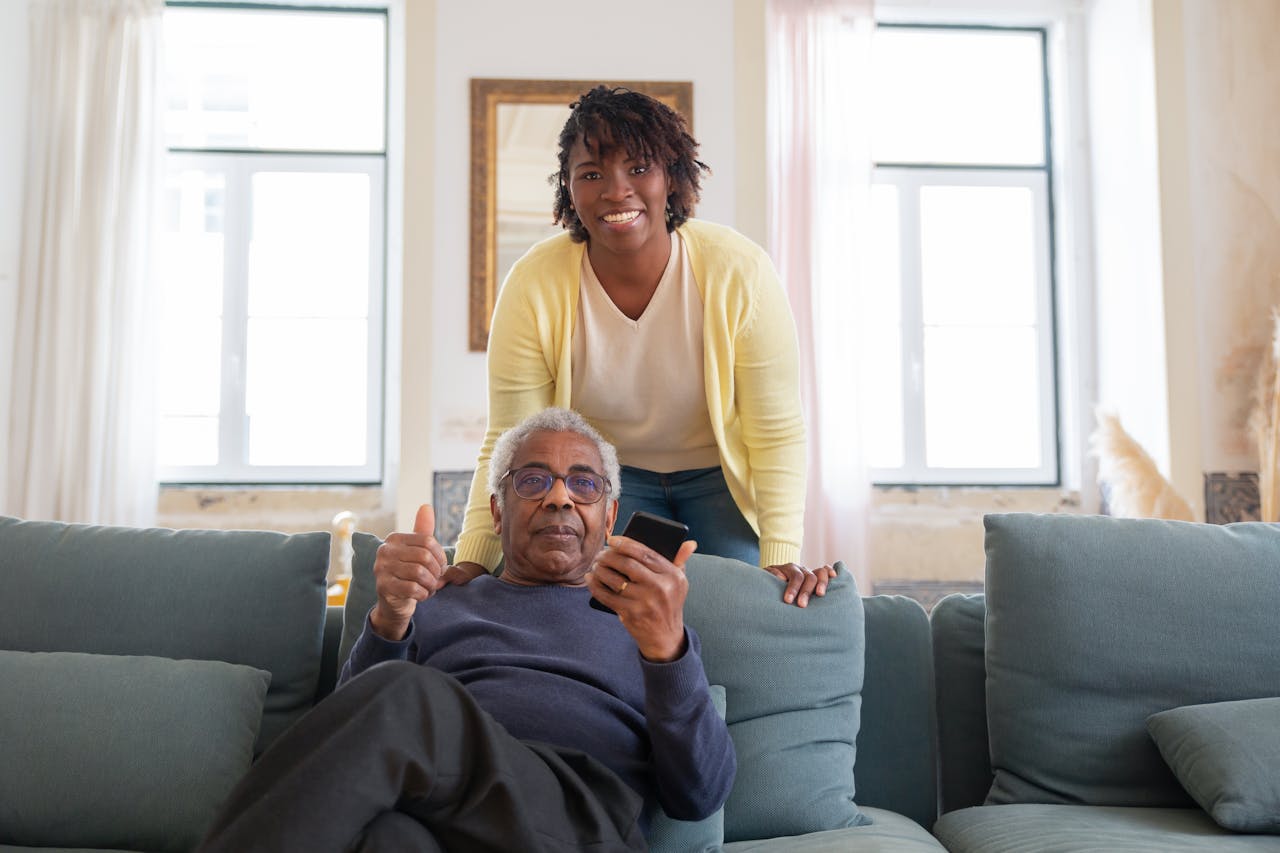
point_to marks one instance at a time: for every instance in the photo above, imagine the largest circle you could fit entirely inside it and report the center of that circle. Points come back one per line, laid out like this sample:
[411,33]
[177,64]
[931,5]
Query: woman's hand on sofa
[801,582]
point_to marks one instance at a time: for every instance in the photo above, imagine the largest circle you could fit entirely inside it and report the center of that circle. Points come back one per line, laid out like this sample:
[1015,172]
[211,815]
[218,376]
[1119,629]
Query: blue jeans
[698,497]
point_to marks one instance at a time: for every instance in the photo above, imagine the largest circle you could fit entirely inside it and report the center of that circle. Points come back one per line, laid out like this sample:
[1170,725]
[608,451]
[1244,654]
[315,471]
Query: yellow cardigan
[750,363]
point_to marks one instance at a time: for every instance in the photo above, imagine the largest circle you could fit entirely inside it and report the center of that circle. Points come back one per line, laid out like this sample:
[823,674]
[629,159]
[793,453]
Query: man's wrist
[390,627]
[667,652]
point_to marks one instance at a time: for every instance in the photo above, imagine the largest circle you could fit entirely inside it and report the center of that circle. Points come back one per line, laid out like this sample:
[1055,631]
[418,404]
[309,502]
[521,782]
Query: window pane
[190,373]
[191,253]
[881,361]
[306,387]
[309,253]
[982,398]
[262,79]
[188,441]
[977,247]
[190,322]
[958,96]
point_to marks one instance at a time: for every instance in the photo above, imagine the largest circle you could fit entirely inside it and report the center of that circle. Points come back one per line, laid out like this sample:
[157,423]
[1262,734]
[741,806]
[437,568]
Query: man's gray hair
[551,420]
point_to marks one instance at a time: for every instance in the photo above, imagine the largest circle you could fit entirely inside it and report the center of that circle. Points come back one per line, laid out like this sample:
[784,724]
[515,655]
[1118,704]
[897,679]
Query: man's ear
[610,516]
[496,513]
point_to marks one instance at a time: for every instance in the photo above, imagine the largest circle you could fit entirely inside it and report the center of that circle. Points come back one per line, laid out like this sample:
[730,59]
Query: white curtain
[82,415]
[819,59]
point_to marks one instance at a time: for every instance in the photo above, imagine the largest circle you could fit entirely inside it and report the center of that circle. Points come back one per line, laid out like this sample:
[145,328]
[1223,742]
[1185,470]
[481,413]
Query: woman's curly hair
[648,130]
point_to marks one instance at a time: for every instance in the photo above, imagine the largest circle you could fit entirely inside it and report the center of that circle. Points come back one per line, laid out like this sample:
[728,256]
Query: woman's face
[621,201]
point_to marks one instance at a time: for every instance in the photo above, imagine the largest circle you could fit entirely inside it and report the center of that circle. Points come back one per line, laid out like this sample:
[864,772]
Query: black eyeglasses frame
[604,484]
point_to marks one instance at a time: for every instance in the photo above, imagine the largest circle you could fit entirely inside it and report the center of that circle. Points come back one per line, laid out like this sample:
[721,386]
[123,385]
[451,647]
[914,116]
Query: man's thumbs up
[406,570]
[425,522]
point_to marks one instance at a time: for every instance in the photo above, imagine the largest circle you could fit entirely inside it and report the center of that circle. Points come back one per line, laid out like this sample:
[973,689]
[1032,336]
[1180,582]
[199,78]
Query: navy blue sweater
[551,668]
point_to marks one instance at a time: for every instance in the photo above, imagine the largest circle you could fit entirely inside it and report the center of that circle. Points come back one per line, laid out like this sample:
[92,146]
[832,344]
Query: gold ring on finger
[624,586]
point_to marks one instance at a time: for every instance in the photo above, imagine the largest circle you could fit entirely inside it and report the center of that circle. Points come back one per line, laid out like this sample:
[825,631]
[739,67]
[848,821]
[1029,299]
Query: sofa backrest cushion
[897,740]
[1095,623]
[793,681]
[959,647]
[248,597]
[361,593]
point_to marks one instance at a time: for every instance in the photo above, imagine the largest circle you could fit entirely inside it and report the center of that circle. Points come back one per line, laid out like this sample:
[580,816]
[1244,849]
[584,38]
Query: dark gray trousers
[402,758]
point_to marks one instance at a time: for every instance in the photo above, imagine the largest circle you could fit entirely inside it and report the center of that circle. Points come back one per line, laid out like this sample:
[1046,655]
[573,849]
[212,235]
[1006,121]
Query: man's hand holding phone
[644,586]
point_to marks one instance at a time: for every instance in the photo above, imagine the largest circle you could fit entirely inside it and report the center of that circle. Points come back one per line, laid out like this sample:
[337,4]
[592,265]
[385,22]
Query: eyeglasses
[532,484]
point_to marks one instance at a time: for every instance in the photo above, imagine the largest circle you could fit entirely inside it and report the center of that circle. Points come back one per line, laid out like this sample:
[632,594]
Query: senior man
[505,714]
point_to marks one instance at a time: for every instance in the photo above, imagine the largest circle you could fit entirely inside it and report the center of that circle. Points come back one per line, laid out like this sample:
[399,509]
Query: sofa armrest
[897,744]
[959,638]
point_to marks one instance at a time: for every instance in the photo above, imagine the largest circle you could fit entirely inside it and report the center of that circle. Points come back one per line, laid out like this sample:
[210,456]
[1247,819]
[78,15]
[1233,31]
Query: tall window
[274,245]
[959,356]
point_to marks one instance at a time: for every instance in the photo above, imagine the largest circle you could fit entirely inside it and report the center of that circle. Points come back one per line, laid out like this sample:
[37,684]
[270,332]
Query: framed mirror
[515,128]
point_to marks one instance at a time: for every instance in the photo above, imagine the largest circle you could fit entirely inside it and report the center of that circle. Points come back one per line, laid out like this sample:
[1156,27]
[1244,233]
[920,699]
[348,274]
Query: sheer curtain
[82,417]
[819,59]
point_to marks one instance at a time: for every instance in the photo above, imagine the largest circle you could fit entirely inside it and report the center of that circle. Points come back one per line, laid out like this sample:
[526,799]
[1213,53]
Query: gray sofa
[142,669]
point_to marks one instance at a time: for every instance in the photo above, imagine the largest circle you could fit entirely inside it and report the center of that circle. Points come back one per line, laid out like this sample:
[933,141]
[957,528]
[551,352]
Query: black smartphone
[661,534]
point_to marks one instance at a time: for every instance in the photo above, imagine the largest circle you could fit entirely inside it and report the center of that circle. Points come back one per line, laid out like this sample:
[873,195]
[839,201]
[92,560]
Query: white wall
[1187,217]
[557,39]
[13,106]
[1233,94]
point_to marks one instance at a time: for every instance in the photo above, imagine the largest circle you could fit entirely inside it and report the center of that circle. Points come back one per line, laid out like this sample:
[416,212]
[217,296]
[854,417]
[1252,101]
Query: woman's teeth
[621,217]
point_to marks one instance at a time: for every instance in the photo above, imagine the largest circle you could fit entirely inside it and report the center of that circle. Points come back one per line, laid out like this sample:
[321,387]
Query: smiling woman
[672,336]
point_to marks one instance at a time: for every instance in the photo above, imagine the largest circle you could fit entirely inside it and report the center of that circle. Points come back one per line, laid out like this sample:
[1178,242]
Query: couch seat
[888,831]
[1068,829]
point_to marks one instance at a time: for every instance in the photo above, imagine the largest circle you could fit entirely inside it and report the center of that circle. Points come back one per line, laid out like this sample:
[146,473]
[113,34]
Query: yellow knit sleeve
[767,375]
[521,382]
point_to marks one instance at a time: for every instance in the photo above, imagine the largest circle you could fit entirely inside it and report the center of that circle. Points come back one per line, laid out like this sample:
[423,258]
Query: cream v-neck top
[640,382]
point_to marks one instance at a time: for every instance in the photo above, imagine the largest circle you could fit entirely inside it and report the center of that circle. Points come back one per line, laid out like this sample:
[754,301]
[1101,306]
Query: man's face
[554,539]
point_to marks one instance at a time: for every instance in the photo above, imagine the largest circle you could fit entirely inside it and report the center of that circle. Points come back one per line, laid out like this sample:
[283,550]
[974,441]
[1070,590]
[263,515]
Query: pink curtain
[819,59]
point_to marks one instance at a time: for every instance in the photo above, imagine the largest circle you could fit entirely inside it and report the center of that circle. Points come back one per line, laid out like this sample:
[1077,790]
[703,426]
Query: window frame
[238,165]
[909,178]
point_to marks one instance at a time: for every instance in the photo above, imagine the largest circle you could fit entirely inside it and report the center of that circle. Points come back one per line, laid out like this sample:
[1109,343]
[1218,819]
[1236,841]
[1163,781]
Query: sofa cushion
[668,835]
[885,832]
[794,678]
[248,597]
[1090,829]
[1227,756]
[112,751]
[1095,623]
